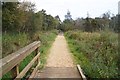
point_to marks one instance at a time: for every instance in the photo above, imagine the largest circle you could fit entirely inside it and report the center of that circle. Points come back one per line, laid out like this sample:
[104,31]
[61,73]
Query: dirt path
[59,55]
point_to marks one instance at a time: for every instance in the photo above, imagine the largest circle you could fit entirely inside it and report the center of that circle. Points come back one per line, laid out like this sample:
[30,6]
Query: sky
[78,8]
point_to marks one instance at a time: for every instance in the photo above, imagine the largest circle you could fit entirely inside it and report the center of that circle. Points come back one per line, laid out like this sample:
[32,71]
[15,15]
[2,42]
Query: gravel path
[59,54]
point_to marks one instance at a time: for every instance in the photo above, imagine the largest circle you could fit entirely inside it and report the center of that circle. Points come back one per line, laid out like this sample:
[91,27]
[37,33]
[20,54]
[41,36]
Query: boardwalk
[59,72]
[59,62]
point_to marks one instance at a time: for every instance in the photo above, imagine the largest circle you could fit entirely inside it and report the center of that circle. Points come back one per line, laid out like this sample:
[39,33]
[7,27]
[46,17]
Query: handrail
[10,62]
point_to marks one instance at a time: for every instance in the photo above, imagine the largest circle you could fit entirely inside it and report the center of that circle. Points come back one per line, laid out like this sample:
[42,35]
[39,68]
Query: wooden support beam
[17,68]
[24,71]
[81,73]
[36,52]
[34,71]
[15,71]
[15,58]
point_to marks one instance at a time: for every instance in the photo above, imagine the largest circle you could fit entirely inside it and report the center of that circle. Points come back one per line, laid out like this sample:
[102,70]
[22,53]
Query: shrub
[97,52]
[12,42]
[20,40]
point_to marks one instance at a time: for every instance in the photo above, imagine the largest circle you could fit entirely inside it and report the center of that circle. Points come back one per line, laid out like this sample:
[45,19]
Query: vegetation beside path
[22,25]
[96,52]
[95,49]
[22,39]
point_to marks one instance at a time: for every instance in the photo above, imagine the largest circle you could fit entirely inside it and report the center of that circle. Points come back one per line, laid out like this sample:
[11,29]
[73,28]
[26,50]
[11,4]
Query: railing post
[37,51]
[15,71]
[17,68]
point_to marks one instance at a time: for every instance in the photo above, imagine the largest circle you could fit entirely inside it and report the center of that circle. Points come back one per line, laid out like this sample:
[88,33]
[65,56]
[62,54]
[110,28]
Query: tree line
[106,21]
[21,17]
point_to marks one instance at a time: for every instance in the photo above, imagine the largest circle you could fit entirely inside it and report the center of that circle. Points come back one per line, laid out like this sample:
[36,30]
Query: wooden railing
[12,61]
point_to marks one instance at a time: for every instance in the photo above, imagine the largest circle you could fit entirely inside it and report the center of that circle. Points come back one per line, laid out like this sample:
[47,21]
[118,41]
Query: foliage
[21,17]
[106,21]
[67,25]
[12,42]
[97,52]
[22,25]
[46,39]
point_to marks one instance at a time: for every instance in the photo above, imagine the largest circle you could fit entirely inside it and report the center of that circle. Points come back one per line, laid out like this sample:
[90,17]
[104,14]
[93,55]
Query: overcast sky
[78,8]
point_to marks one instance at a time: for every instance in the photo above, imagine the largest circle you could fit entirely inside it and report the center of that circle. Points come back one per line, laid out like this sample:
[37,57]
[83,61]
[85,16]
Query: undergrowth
[13,42]
[97,52]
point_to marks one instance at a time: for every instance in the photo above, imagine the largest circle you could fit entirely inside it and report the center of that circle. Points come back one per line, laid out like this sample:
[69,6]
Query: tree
[28,9]
[68,16]
[9,11]
[19,16]
[57,22]
[87,25]
[95,25]
[79,23]
[67,25]
[106,17]
[114,23]
[38,21]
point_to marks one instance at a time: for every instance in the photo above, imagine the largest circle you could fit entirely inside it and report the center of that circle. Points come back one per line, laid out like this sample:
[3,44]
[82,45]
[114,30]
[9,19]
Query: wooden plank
[15,58]
[24,71]
[58,72]
[81,73]
[34,72]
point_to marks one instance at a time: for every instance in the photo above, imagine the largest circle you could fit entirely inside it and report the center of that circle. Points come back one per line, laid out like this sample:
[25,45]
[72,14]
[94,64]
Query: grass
[12,42]
[23,39]
[97,52]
